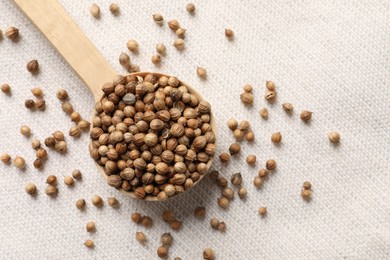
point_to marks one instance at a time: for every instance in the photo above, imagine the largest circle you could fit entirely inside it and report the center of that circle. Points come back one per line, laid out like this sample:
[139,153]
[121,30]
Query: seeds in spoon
[190,7]
[229,34]
[5,88]
[5,158]
[179,44]
[90,227]
[32,66]
[132,45]
[334,137]
[114,8]
[208,254]
[276,137]
[306,115]
[25,130]
[202,73]
[31,188]
[12,33]
[19,162]
[95,10]
[140,237]
[158,19]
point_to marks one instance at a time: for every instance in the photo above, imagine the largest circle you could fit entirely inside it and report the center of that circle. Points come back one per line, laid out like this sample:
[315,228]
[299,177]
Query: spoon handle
[66,36]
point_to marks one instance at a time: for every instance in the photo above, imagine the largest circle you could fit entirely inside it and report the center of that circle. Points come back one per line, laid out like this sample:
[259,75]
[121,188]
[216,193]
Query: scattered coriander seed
[29,103]
[208,254]
[58,136]
[32,66]
[158,19]
[113,202]
[200,212]
[262,211]
[5,158]
[306,185]
[173,25]
[224,157]
[228,193]
[232,124]
[89,243]
[80,204]
[124,59]
[242,193]
[223,202]
[270,96]
[41,105]
[147,221]
[31,188]
[244,125]
[234,148]
[160,48]
[12,33]
[74,131]
[19,162]
[257,181]
[140,237]
[175,224]
[51,180]
[214,175]
[270,85]
[77,174]
[114,8]
[166,239]
[60,146]
[288,107]
[50,142]
[83,125]
[136,217]
[305,115]
[334,137]
[67,107]
[306,194]
[5,88]
[247,98]
[181,32]
[38,163]
[62,94]
[276,137]
[97,201]
[133,68]
[190,8]
[221,226]
[37,92]
[156,59]
[179,44]
[229,33]
[248,88]
[214,222]
[90,227]
[238,134]
[35,144]
[41,153]
[201,72]
[263,172]
[51,190]
[162,252]
[263,113]
[251,159]
[68,180]
[75,116]
[250,136]
[25,130]
[132,45]
[95,10]
[236,179]
[270,164]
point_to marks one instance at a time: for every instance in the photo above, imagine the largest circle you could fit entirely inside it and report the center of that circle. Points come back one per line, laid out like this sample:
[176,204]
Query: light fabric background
[331,57]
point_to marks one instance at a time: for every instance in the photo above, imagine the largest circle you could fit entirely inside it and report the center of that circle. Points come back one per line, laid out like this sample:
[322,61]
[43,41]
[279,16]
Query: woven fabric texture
[330,57]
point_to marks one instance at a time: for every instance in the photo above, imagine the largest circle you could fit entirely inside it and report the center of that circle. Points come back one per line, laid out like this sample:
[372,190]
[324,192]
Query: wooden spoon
[66,36]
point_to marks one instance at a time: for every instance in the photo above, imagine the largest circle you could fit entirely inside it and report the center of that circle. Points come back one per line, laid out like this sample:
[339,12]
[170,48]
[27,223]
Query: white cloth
[331,57]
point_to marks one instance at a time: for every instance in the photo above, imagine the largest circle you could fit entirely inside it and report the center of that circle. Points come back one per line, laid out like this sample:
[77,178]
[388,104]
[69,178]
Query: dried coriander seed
[89,243]
[83,125]
[37,92]
[5,158]
[113,202]
[244,125]
[12,33]
[158,19]
[222,182]
[201,72]
[238,134]
[270,164]
[334,137]
[214,175]
[270,96]
[306,194]
[166,239]
[74,131]
[132,45]
[60,146]
[5,88]
[250,136]
[208,254]
[68,180]
[32,66]
[179,44]
[35,144]
[114,8]
[67,107]
[228,193]
[162,252]
[62,94]
[173,25]
[236,179]
[288,107]
[270,85]
[77,174]
[276,137]
[224,157]
[160,48]
[156,59]
[80,204]
[50,141]
[248,88]
[19,162]
[133,68]
[247,98]
[29,103]
[51,179]
[41,105]
[90,227]
[257,181]
[229,33]
[51,190]
[136,217]
[214,222]
[175,224]
[97,201]
[124,59]
[200,212]
[232,124]
[251,159]
[94,10]
[41,153]
[147,221]
[38,163]
[25,130]
[221,226]
[306,115]
[263,172]
[242,193]
[31,188]
[234,148]
[140,237]
[181,32]
[263,211]
[190,7]
[223,202]
[306,185]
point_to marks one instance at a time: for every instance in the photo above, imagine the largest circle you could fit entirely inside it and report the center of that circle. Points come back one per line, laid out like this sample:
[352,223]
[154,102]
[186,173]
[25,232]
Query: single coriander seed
[60,146]
[62,94]
[244,125]
[68,180]
[214,222]
[232,124]
[140,237]
[5,88]
[200,212]
[263,172]
[234,148]
[74,131]
[179,44]
[147,221]
[306,194]
[247,98]
[181,32]
[114,8]
[19,162]
[113,202]
[224,157]
[95,10]
[257,181]
[160,48]
[51,179]
[202,73]
[238,134]
[306,115]
[228,193]
[236,179]
[263,211]
[334,137]
[132,45]
[12,33]
[97,201]
[158,19]
[29,103]
[306,185]
[156,59]
[83,125]
[248,88]
[90,227]
[229,34]
[270,164]
[51,190]
[31,188]
[41,105]
[270,85]
[221,226]
[59,136]
[32,66]
[37,92]
[173,25]
[77,174]
[190,7]
[270,96]
[223,202]
[250,136]
[166,239]
[222,182]
[288,107]
[25,130]
[5,158]
[124,59]
[38,163]
[175,224]
[242,193]
[162,252]
[136,217]
[276,137]
[89,243]
[251,159]
[80,204]
[208,254]
[35,144]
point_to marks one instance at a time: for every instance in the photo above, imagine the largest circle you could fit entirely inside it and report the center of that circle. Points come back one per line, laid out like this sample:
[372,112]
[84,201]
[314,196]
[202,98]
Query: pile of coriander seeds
[151,135]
